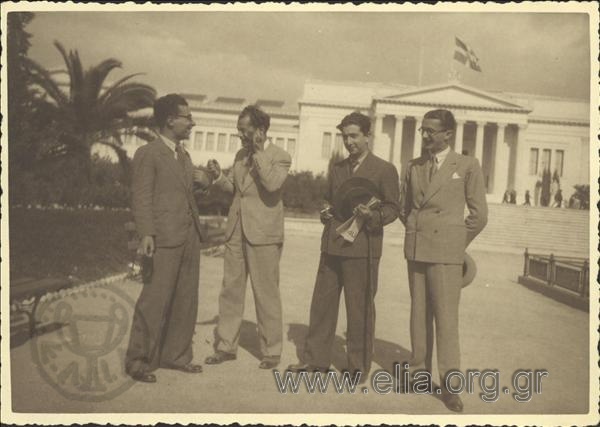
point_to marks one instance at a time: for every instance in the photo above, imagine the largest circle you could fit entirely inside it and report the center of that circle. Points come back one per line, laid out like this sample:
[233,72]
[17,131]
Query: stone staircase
[510,228]
[543,230]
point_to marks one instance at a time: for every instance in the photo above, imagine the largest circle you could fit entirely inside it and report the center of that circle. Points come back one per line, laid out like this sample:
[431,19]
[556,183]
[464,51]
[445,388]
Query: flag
[464,54]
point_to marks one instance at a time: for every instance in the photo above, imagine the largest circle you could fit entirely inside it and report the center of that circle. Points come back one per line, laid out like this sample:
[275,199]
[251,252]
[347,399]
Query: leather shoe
[190,368]
[219,357]
[452,402]
[144,377]
[268,362]
[305,367]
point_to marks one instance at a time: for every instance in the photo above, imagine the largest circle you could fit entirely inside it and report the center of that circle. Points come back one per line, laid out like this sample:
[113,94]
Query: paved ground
[504,326]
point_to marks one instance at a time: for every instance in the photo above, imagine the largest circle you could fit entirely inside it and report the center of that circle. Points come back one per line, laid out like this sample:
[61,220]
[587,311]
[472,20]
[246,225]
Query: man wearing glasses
[166,218]
[434,192]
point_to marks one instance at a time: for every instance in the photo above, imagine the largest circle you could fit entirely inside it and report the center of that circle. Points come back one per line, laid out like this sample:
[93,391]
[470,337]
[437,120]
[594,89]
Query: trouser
[261,262]
[435,294]
[165,313]
[335,273]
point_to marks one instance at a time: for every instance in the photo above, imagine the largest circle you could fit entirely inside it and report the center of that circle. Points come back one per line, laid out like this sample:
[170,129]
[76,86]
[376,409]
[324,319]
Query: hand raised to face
[258,140]
[214,169]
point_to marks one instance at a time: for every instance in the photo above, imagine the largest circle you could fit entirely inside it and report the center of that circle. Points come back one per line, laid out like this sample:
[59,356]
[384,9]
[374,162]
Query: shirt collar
[441,156]
[359,161]
[170,143]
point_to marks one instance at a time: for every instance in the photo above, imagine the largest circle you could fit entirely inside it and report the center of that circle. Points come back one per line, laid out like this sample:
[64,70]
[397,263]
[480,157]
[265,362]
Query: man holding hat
[352,183]
[435,190]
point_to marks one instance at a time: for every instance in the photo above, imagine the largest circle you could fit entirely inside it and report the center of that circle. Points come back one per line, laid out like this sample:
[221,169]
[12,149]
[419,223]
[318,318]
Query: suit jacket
[257,194]
[162,201]
[436,228]
[385,177]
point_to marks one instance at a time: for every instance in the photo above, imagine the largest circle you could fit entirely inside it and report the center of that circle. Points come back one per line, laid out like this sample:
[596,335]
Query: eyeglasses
[430,132]
[188,116]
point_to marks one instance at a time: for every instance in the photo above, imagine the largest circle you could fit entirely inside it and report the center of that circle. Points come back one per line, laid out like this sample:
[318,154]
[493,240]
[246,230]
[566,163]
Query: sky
[269,55]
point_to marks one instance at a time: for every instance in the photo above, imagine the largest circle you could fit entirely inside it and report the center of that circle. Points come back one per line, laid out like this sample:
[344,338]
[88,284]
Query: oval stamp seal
[85,358]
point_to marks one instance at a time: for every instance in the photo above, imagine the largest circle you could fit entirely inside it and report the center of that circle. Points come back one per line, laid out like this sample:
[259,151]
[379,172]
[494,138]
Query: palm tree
[91,113]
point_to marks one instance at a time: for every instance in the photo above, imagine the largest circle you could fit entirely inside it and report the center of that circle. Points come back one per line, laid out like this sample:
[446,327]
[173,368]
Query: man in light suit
[434,192]
[254,239]
[344,265]
[166,218]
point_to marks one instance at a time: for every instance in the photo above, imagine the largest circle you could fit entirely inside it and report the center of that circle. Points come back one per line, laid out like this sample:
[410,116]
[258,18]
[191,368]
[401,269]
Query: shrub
[84,243]
[303,192]
[56,184]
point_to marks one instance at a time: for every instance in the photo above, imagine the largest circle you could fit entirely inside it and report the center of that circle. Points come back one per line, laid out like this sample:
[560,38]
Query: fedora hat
[469,270]
[351,193]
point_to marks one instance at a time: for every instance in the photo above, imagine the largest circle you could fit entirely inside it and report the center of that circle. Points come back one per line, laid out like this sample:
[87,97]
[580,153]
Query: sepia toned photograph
[300,214]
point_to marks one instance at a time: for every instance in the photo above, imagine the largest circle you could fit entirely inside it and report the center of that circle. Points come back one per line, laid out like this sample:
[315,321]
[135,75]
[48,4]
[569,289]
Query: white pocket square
[456,176]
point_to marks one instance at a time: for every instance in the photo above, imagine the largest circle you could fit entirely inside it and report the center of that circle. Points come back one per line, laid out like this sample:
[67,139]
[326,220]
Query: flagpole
[420,77]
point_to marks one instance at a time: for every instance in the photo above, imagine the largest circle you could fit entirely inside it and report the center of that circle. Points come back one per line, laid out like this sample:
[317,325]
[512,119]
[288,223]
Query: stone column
[377,146]
[397,147]
[458,140]
[501,160]
[521,164]
[479,142]
[418,140]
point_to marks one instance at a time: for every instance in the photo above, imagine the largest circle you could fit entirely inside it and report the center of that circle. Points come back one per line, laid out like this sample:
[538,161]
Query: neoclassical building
[514,136]
[215,133]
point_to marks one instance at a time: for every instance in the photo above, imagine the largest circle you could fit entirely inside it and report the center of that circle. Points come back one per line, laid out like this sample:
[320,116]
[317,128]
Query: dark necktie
[353,163]
[432,167]
[180,155]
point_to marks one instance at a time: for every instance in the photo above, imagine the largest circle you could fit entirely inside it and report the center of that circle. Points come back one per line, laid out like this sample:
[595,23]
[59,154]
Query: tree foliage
[52,130]
[303,192]
[90,112]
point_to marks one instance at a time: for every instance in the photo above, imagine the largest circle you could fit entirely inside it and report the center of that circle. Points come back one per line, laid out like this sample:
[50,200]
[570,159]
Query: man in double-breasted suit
[166,218]
[254,239]
[434,192]
[344,265]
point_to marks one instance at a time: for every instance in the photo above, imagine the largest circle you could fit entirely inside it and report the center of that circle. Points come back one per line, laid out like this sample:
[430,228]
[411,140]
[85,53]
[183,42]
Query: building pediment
[453,95]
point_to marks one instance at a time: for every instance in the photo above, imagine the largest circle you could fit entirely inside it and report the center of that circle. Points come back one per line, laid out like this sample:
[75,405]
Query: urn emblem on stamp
[84,359]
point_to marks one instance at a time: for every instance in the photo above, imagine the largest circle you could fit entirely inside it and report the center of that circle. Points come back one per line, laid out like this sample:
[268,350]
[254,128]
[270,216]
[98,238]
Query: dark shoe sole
[217,359]
[268,364]
[144,378]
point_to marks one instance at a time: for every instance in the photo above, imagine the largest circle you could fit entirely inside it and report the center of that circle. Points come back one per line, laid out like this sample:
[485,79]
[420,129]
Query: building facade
[215,135]
[515,137]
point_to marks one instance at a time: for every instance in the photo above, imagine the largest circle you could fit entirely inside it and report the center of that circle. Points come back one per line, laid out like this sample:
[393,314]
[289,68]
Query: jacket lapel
[423,178]
[364,168]
[169,158]
[441,176]
[343,172]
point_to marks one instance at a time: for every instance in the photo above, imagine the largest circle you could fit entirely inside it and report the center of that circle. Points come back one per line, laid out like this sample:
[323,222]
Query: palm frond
[66,58]
[75,71]
[142,121]
[126,98]
[44,79]
[121,155]
[116,86]
[95,77]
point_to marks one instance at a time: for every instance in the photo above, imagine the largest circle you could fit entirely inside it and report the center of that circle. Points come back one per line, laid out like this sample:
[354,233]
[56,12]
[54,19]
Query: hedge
[85,244]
